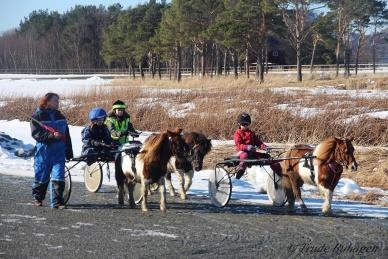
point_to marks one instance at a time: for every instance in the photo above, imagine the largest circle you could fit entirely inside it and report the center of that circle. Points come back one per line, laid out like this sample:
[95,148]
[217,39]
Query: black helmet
[119,105]
[244,118]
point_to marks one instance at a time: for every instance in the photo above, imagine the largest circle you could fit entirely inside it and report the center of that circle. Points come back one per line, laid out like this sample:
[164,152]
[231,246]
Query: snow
[298,110]
[347,186]
[33,87]
[146,232]
[332,90]
[378,114]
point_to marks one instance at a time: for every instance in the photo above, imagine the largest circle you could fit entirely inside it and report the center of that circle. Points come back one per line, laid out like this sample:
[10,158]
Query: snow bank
[347,186]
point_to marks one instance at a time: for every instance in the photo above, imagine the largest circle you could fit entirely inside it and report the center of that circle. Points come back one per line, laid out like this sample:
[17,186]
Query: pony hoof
[305,210]
[291,210]
[327,213]
[163,209]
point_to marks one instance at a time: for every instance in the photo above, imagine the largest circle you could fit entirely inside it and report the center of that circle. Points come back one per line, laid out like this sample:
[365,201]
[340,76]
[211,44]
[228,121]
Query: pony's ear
[350,138]
[176,131]
[338,138]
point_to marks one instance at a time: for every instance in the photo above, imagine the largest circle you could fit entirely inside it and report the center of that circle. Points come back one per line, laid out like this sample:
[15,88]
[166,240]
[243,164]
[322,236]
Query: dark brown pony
[151,164]
[323,171]
[184,164]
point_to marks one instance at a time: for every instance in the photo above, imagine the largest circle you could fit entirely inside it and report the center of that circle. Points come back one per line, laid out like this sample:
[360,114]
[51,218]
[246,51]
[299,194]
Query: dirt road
[94,226]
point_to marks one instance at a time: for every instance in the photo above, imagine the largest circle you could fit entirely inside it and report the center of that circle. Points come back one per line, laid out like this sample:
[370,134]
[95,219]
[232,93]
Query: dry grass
[373,168]
[362,81]
[214,109]
[370,197]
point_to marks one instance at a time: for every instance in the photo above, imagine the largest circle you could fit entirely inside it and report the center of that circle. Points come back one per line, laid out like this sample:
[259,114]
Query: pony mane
[201,139]
[325,149]
[302,146]
[152,146]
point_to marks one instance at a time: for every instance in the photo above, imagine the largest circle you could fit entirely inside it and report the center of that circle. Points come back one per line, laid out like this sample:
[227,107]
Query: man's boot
[57,188]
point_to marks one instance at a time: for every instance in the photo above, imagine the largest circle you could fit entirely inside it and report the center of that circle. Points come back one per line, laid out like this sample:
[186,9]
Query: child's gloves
[95,143]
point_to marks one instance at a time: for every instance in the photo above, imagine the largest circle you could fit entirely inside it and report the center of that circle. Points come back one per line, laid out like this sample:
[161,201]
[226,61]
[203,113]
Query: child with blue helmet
[96,137]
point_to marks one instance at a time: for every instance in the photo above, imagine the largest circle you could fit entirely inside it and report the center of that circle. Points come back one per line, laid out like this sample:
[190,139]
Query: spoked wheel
[220,187]
[93,177]
[67,191]
[275,190]
[137,193]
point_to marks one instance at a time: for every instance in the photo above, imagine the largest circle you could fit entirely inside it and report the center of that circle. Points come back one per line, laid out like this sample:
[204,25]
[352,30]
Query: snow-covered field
[246,190]
[37,86]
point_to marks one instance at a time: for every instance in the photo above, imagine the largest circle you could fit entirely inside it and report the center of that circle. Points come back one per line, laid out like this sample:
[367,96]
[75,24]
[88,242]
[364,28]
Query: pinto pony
[323,170]
[197,146]
[151,165]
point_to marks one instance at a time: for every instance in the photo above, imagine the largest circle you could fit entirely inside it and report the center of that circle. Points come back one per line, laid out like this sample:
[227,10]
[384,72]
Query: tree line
[211,37]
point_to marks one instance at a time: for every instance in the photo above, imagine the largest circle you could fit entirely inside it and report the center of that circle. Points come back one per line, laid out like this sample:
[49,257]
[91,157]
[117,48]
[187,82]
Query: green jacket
[119,128]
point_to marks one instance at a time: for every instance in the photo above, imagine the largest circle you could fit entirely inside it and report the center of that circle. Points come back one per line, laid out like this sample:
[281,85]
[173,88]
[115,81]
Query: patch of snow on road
[153,233]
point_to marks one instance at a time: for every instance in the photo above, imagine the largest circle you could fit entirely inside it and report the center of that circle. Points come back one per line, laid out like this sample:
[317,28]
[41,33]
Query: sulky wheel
[93,177]
[67,190]
[275,190]
[220,187]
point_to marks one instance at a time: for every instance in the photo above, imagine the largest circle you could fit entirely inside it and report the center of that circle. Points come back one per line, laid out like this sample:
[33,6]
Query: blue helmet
[97,113]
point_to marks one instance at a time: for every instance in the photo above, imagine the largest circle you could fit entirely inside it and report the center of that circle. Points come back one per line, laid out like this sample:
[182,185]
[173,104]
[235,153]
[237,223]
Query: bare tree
[295,16]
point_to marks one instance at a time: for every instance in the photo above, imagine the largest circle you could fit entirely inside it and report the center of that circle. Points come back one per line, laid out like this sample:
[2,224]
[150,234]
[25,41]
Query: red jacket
[243,138]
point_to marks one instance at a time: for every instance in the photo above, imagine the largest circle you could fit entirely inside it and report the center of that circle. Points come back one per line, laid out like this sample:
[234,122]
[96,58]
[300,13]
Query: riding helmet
[97,113]
[244,118]
[119,105]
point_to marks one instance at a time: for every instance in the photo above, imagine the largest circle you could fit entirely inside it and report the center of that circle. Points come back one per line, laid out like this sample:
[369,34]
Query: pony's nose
[198,168]
[354,166]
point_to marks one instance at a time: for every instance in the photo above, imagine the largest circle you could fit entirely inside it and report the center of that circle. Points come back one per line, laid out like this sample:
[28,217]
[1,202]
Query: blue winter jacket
[91,136]
[55,149]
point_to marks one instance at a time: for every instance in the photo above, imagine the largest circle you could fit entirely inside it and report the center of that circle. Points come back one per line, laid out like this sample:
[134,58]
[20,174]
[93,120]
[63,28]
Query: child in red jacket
[246,142]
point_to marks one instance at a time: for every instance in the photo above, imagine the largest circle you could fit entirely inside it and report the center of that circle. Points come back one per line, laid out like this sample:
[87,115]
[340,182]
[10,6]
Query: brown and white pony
[323,171]
[197,146]
[151,165]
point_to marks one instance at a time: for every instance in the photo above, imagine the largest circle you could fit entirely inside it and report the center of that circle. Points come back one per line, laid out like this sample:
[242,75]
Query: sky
[14,11]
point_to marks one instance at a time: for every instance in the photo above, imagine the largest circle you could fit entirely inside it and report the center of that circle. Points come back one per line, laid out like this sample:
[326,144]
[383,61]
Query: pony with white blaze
[197,146]
[330,156]
[150,166]
[322,167]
